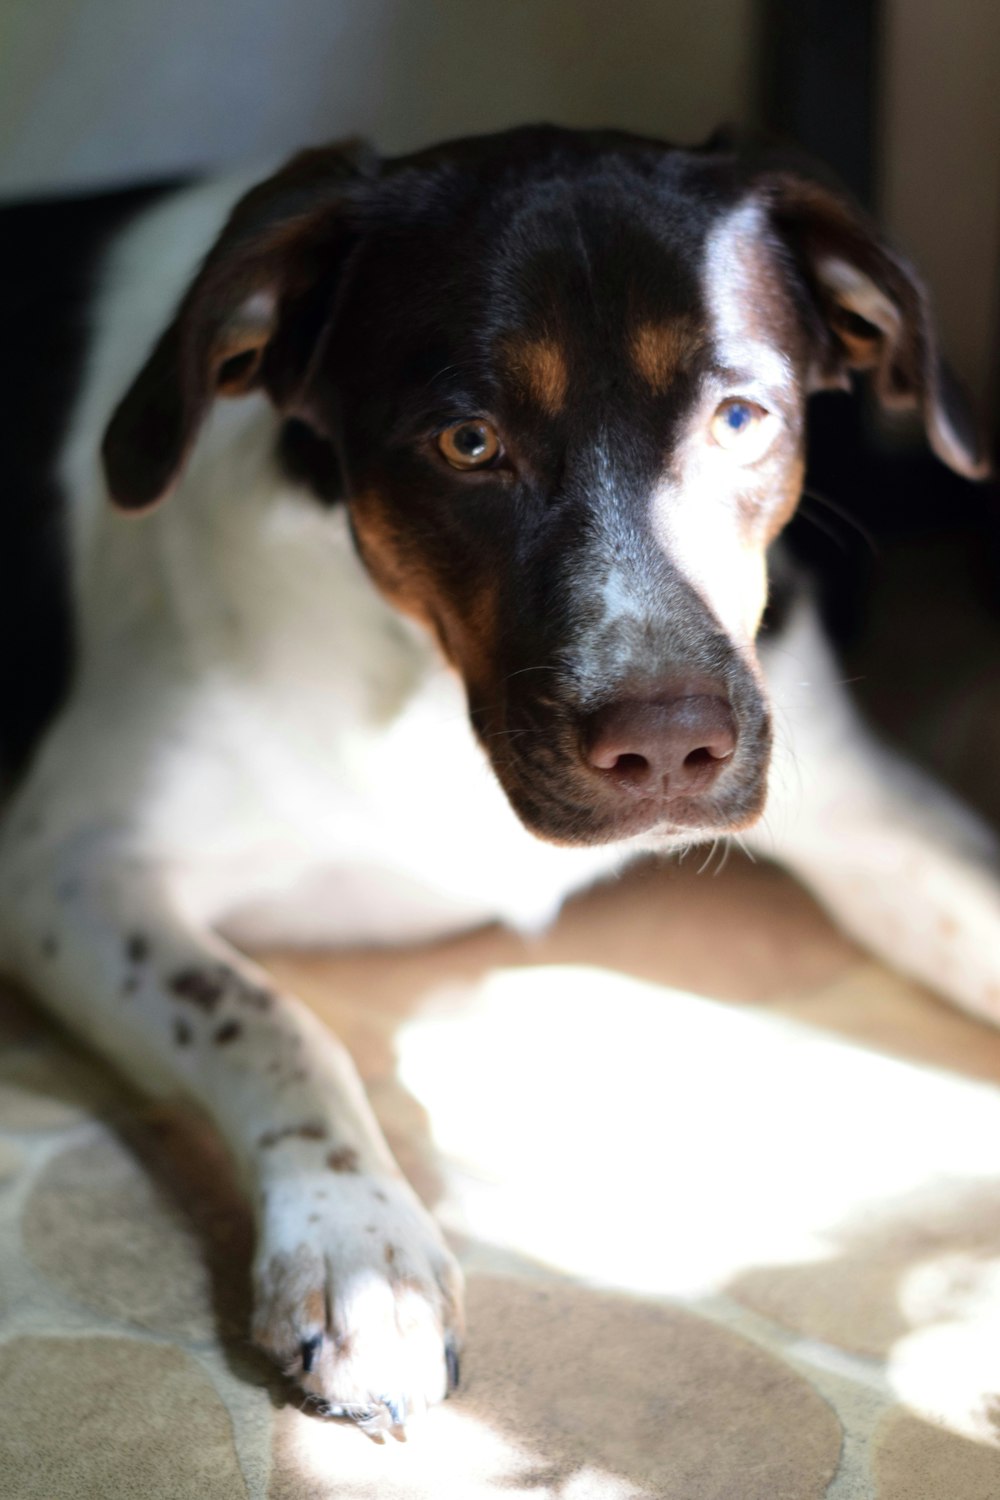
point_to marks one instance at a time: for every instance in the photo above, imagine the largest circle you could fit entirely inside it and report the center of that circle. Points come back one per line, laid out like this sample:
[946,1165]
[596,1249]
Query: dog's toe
[309,1350]
[359,1299]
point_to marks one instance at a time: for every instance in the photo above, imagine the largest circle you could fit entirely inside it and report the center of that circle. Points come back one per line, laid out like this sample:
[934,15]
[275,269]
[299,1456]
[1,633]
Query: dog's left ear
[873,314]
[251,318]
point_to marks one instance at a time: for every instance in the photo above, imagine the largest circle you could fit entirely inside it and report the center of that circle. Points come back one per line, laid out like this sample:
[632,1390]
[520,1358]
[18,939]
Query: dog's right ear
[251,319]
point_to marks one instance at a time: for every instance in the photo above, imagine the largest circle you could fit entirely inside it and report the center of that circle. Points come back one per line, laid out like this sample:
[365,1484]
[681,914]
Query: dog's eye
[470,445]
[742,427]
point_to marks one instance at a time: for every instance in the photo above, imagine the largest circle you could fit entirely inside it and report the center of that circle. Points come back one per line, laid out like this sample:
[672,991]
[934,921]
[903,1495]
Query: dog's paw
[358,1298]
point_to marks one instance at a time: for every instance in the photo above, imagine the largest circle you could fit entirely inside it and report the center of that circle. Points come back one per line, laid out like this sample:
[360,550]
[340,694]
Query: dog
[441,577]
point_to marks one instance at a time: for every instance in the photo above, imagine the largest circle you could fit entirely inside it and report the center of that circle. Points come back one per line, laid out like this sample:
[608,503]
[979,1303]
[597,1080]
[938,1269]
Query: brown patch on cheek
[474,642]
[657,351]
[539,369]
[402,577]
[467,635]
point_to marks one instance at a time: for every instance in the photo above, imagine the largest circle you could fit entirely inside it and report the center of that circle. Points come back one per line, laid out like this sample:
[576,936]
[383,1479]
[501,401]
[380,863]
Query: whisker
[709,857]
[745,847]
[828,531]
[544,667]
[844,515]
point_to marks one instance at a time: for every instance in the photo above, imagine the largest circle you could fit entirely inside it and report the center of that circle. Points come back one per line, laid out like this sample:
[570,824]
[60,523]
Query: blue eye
[734,421]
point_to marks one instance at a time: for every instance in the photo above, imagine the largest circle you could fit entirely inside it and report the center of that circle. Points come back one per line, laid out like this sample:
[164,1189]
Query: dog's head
[564,378]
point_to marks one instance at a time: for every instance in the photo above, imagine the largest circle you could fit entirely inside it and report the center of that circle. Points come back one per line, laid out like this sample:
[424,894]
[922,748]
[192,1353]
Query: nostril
[705,757]
[631,765]
[628,770]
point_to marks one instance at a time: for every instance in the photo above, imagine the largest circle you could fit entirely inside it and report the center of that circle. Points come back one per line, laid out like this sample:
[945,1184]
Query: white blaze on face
[703,514]
[699,528]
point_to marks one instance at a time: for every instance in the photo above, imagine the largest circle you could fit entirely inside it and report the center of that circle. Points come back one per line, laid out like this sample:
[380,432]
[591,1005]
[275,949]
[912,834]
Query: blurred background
[903,96]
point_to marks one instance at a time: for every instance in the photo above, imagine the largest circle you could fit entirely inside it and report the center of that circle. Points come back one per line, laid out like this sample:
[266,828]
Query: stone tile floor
[727,1195]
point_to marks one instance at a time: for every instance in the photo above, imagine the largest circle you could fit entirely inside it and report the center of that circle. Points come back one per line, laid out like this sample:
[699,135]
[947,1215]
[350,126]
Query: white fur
[899,863]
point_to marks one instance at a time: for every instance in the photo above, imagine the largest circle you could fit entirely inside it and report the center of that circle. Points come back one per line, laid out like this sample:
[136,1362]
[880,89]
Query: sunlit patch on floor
[664,1143]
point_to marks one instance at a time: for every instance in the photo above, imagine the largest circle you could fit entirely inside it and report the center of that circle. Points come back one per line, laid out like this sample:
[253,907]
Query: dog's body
[266,735]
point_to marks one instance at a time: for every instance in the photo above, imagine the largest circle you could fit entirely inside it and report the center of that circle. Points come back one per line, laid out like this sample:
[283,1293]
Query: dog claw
[397,1410]
[309,1350]
[349,1412]
[452,1366]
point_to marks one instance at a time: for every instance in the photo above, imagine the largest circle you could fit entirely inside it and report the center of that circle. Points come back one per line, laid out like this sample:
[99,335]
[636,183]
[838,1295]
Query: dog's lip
[653,820]
[678,818]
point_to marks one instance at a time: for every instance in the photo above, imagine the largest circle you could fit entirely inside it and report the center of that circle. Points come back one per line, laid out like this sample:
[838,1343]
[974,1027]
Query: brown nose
[669,747]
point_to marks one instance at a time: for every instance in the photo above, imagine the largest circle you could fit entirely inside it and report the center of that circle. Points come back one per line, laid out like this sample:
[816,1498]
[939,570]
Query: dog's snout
[668,746]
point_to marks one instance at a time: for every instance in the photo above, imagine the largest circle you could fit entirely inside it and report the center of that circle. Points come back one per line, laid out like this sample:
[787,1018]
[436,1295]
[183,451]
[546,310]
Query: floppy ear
[250,319]
[873,314]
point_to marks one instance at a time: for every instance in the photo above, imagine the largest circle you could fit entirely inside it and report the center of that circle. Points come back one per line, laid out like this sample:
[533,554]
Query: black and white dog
[453,611]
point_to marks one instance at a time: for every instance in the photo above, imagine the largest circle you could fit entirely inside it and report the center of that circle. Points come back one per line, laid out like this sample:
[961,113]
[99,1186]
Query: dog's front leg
[356,1295]
[898,861]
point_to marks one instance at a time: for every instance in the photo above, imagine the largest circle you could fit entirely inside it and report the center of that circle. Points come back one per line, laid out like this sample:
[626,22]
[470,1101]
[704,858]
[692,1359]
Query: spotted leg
[899,862]
[356,1294]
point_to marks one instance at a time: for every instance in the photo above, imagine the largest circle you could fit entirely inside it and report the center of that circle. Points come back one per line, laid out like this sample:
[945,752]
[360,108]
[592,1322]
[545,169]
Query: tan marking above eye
[539,367]
[470,445]
[658,349]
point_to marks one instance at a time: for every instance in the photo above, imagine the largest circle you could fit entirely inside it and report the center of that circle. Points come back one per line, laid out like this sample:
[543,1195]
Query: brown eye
[469,445]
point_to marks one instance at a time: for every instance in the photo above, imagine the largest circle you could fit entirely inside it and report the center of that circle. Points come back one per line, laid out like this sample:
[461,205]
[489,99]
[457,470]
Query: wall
[102,89]
[941,166]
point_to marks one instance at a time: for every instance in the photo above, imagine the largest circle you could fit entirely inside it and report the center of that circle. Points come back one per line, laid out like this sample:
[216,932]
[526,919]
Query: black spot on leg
[344,1159]
[229,1031]
[255,997]
[183,1035]
[49,946]
[380,1196]
[137,948]
[202,987]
